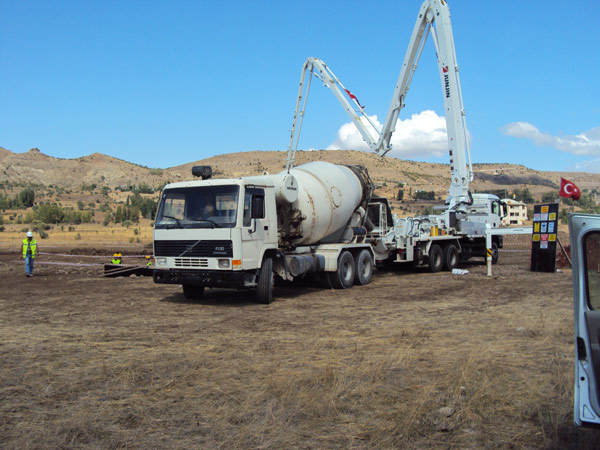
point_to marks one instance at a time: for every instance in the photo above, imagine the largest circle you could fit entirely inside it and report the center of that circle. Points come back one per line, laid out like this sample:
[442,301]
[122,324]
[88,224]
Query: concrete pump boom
[434,19]
[320,70]
[436,12]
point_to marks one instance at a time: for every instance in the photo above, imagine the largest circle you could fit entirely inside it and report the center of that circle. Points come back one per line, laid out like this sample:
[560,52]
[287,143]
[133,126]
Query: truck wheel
[343,277]
[264,287]
[192,292]
[363,268]
[436,258]
[495,253]
[450,257]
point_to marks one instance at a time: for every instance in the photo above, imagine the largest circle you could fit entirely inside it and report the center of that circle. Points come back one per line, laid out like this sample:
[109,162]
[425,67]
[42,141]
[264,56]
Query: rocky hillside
[35,167]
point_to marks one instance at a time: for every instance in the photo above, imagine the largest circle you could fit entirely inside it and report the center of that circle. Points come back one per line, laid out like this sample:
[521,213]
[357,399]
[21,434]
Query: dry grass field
[414,360]
[89,235]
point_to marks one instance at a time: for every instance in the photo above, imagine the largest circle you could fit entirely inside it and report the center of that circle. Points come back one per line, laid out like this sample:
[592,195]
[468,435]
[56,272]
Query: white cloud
[423,135]
[591,166]
[583,144]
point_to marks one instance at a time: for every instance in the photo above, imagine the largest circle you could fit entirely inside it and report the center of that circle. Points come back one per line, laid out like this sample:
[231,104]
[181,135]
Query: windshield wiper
[214,224]
[174,218]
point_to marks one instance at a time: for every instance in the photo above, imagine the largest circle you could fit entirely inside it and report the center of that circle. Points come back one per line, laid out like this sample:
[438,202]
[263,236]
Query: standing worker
[29,253]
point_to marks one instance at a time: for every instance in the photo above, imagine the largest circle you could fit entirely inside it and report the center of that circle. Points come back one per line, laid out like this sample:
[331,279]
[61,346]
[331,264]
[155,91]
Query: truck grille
[191,262]
[192,249]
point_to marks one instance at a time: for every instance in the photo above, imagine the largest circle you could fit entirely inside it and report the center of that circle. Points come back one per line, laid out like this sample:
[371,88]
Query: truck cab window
[175,206]
[495,209]
[253,199]
[592,264]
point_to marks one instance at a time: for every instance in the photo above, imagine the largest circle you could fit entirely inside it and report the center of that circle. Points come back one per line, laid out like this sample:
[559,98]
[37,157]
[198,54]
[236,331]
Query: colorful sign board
[543,239]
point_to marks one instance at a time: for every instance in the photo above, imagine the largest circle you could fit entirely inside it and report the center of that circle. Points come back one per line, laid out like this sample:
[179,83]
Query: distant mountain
[389,173]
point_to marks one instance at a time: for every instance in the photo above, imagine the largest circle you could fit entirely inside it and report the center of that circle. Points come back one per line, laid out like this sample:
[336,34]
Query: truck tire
[193,292]
[495,253]
[264,286]
[363,268]
[343,277]
[450,257]
[436,258]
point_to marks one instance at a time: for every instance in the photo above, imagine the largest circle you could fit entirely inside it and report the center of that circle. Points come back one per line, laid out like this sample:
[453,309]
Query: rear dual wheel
[363,268]
[445,258]
[343,277]
[450,257]
[436,258]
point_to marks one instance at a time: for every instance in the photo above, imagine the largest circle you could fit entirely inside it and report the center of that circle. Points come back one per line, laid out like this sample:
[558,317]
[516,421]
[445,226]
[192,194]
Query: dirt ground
[414,360]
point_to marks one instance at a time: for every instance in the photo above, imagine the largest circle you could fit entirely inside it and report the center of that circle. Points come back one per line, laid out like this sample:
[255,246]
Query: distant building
[516,214]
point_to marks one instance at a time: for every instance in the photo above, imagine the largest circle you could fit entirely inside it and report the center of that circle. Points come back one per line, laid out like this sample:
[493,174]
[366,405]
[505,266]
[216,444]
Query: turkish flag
[569,190]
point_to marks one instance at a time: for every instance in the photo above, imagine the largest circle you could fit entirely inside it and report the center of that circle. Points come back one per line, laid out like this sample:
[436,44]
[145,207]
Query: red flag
[353,97]
[569,190]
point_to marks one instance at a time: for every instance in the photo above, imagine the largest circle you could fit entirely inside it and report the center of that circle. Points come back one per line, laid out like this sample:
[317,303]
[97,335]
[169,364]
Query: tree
[549,197]
[27,197]
[524,195]
[425,195]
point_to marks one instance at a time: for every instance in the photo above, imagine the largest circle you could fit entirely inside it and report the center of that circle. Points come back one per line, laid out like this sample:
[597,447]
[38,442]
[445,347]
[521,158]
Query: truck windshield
[198,207]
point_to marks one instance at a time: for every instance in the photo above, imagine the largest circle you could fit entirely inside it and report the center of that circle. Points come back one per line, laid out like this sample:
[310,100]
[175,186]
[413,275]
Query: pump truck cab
[241,232]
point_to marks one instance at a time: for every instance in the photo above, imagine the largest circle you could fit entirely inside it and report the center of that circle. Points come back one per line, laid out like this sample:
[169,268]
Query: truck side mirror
[257,211]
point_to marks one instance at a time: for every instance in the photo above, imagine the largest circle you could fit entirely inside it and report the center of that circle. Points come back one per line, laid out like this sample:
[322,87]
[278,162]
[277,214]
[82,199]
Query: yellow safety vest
[33,244]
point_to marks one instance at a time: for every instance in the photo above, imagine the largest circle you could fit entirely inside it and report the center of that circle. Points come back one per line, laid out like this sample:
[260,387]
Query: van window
[592,264]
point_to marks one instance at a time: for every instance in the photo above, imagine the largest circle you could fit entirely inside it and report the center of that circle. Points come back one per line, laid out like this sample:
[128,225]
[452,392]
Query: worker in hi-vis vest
[117,259]
[29,253]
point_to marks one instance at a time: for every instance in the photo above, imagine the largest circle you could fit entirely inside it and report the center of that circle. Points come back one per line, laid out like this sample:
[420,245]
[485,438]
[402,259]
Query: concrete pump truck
[437,240]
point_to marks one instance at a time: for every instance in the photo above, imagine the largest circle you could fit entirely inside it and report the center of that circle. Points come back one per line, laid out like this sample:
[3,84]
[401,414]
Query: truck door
[255,227]
[585,251]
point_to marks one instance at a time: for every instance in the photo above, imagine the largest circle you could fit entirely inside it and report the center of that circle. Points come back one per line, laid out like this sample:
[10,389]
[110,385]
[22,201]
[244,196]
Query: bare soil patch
[413,360]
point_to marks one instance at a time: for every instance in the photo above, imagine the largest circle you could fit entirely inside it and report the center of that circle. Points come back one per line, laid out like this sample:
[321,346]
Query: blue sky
[162,83]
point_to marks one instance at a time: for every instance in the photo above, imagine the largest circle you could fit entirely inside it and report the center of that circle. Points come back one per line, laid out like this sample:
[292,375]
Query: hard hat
[29,234]
[115,254]
[147,256]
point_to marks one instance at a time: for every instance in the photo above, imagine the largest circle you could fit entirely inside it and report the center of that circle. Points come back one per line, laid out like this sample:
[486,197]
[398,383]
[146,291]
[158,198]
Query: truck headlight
[161,261]
[224,264]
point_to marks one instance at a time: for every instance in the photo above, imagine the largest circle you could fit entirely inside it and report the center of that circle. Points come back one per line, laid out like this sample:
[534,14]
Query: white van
[585,251]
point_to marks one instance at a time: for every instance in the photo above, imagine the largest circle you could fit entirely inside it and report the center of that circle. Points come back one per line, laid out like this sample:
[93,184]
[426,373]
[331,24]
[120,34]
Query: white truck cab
[584,232]
[214,232]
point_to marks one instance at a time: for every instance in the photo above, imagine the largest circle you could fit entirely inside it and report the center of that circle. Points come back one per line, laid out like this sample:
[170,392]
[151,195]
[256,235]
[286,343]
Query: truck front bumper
[208,278]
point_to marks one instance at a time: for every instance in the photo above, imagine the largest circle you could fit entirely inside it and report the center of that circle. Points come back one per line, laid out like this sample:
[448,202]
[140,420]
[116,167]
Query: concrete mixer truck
[243,232]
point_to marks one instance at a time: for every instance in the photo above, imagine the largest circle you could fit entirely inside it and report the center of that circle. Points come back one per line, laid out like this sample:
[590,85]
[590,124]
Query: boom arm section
[434,19]
[355,110]
[436,12]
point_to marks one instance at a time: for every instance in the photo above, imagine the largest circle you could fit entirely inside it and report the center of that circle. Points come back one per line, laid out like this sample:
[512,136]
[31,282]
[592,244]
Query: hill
[389,173]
